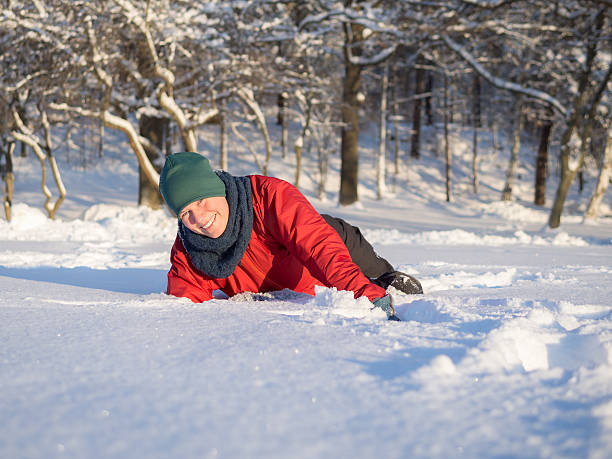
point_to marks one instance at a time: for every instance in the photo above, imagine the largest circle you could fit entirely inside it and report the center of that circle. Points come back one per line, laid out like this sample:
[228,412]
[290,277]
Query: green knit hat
[188,177]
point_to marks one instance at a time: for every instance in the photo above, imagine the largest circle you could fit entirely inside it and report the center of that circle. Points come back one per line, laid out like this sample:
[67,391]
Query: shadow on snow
[123,280]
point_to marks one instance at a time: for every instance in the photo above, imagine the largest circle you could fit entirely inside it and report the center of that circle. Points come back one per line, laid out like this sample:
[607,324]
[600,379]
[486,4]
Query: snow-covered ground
[507,354]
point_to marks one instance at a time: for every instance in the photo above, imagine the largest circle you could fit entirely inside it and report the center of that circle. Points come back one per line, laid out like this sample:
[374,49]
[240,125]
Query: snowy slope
[508,353]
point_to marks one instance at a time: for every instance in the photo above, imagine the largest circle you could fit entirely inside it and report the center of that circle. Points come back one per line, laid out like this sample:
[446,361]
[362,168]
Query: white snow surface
[507,354]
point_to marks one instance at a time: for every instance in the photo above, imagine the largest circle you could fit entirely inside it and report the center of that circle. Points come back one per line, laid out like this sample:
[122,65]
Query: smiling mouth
[209,223]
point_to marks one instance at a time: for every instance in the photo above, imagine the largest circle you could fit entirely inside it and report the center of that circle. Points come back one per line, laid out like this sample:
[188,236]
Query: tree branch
[501,83]
[247,96]
[372,60]
[25,135]
[123,125]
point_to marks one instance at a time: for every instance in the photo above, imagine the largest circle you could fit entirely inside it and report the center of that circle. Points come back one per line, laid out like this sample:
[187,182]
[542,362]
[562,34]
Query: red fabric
[291,247]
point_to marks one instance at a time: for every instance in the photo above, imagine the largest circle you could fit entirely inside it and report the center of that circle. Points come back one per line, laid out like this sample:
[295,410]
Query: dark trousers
[360,250]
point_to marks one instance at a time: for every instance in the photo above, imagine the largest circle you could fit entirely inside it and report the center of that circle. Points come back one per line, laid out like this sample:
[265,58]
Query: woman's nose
[199,215]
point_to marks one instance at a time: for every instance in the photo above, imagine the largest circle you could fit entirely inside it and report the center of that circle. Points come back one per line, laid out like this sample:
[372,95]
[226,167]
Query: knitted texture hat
[188,177]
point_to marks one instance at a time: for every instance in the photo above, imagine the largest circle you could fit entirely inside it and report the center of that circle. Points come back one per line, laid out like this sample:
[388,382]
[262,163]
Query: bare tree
[368,38]
[603,180]
[382,138]
[7,175]
[517,129]
[585,28]
[569,165]
[542,163]
[28,137]
[419,91]
[475,125]
[447,152]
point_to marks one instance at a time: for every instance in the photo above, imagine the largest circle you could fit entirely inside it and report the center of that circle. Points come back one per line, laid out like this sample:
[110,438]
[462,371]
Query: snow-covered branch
[350,15]
[97,59]
[204,117]
[27,137]
[49,34]
[133,15]
[488,4]
[170,106]
[500,82]
[121,124]
[24,81]
[318,18]
[372,60]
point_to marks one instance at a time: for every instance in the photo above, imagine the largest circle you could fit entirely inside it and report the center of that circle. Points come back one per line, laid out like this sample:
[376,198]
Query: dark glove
[386,304]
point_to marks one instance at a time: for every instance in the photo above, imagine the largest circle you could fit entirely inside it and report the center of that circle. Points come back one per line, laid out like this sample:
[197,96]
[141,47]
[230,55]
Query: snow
[508,353]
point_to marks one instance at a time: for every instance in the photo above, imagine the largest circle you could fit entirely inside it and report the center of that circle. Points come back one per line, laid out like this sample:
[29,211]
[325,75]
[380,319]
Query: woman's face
[207,216]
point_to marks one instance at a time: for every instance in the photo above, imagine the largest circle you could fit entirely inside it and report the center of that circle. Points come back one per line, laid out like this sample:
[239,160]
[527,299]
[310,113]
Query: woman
[259,234]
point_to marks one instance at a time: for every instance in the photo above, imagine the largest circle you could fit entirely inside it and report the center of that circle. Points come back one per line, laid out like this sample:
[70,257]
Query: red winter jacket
[291,247]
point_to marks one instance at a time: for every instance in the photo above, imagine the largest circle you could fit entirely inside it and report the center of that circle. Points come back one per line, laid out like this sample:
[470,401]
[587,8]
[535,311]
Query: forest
[158,71]
[470,141]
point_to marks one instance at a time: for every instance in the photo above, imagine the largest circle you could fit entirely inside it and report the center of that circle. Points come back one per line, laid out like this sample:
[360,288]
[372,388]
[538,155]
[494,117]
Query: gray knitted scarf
[219,257]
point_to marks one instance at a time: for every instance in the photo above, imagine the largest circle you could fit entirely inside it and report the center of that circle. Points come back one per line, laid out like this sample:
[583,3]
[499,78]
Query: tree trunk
[382,143]
[281,103]
[223,141]
[568,170]
[281,120]
[476,124]
[477,110]
[53,164]
[604,178]
[415,150]
[542,164]
[429,91]
[451,114]
[407,90]
[32,142]
[24,147]
[568,173]
[396,126]
[280,108]
[516,146]
[100,138]
[564,185]
[9,179]
[447,153]
[26,136]
[323,149]
[495,135]
[475,158]
[299,142]
[154,129]
[351,101]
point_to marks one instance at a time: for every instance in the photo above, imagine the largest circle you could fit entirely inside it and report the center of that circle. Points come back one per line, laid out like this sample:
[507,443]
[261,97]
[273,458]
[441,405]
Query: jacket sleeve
[300,228]
[183,280]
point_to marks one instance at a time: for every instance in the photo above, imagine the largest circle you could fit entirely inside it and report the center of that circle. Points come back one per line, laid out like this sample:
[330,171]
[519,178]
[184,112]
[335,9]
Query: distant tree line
[156,69]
